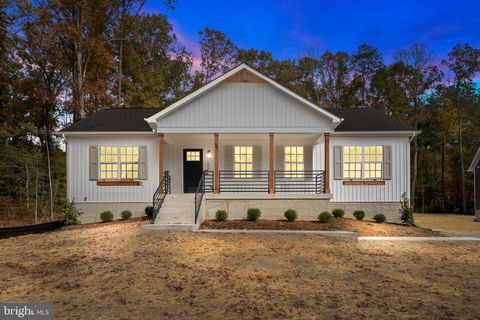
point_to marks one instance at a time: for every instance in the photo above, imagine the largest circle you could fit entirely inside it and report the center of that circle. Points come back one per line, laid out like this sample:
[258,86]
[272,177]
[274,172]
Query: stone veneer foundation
[307,206]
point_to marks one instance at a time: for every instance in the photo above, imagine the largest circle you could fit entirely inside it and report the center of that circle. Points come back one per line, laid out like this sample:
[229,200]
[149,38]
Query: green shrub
[106,216]
[324,217]
[406,211]
[221,215]
[126,214]
[338,213]
[253,214]
[380,218]
[359,214]
[70,213]
[149,211]
[291,215]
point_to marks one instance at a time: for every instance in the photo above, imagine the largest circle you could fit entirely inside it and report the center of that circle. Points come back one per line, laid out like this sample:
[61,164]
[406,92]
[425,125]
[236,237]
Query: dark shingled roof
[362,119]
[114,120]
[355,119]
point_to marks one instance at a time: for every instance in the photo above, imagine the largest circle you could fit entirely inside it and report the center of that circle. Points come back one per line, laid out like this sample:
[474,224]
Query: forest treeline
[62,60]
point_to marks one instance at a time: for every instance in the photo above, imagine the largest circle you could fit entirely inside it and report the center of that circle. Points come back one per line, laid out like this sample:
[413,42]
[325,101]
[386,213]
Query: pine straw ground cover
[363,228]
[112,271]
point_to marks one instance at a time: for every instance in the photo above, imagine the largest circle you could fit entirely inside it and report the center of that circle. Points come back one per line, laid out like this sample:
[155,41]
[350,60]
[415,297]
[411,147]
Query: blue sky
[289,29]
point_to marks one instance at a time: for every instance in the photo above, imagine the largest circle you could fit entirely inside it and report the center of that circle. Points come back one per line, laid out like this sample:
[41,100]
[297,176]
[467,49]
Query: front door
[192,169]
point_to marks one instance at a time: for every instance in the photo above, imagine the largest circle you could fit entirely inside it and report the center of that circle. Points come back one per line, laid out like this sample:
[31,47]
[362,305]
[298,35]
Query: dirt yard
[111,271]
[363,228]
[451,223]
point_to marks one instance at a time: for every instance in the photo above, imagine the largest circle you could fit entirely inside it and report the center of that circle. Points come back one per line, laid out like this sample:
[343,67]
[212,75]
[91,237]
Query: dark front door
[192,169]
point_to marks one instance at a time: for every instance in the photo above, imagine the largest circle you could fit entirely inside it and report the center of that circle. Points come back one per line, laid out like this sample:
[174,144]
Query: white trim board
[475,161]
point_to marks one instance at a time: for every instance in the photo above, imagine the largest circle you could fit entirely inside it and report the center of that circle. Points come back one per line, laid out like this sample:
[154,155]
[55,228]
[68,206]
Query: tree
[366,62]
[464,62]
[260,60]
[85,27]
[156,69]
[421,75]
[217,52]
[335,87]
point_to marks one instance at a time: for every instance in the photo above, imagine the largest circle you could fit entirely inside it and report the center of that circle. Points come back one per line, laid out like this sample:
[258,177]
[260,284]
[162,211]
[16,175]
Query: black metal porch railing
[312,181]
[243,181]
[209,181]
[204,185]
[160,194]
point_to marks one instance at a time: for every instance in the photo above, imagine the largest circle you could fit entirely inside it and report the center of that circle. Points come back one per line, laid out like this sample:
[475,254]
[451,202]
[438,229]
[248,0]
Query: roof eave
[65,133]
[474,161]
[408,133]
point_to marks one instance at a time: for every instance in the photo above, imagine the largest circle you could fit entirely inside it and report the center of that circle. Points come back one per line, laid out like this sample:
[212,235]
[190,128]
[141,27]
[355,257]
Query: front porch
[246,163]
[231,170]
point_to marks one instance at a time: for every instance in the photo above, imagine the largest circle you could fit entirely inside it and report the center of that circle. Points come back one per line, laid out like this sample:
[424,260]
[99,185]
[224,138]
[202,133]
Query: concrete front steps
[176,213]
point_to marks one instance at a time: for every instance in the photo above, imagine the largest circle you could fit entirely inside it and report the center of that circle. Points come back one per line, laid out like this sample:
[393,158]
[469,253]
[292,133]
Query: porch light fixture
[209,154]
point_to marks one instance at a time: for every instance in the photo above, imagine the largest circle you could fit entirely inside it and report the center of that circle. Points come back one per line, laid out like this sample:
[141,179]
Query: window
[118,162]
[243,161]
[129,162]
[373,162]
[294,162]
[352,162]
[193,155]
[108,162]
[362,162]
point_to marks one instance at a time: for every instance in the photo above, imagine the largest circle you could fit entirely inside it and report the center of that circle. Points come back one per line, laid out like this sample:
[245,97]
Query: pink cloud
[187,42]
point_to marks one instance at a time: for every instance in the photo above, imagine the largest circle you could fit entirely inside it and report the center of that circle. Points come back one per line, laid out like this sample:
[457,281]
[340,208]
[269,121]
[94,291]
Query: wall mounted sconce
[209,154]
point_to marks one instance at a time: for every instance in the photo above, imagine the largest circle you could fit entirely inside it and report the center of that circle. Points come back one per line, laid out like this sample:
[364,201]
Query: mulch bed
[363,228]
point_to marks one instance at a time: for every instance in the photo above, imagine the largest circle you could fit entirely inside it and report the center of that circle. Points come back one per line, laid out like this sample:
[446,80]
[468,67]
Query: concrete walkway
[418,238]
[347,234]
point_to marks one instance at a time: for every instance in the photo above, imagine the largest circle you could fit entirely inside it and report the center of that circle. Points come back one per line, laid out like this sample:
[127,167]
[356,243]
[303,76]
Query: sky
[290,29]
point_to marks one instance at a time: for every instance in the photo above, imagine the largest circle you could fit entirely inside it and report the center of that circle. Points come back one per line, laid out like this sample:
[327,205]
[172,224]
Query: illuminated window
[294,164]
[118,162]
[108,162]
[243,161]
[362,162]
[373,158]
[193,155]
[129,162]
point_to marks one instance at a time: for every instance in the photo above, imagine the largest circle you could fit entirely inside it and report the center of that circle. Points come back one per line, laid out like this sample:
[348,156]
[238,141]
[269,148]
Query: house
[241,141]
[475,169]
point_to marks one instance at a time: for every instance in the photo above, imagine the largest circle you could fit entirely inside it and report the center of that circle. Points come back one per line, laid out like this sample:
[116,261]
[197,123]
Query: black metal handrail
[160,194]
[310,181]
[204,185]
[243,181]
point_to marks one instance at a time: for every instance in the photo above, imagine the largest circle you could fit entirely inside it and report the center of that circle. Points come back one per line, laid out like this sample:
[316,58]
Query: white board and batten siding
[82,189]
[244,108]
[393,188]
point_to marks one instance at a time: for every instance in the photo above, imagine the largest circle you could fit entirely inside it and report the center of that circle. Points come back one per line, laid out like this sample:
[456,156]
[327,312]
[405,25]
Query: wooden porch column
[161,156]
[327,162]
[271,168]
[216,182]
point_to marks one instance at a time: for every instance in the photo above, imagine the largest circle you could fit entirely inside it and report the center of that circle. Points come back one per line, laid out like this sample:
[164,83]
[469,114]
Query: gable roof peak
[257,76]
